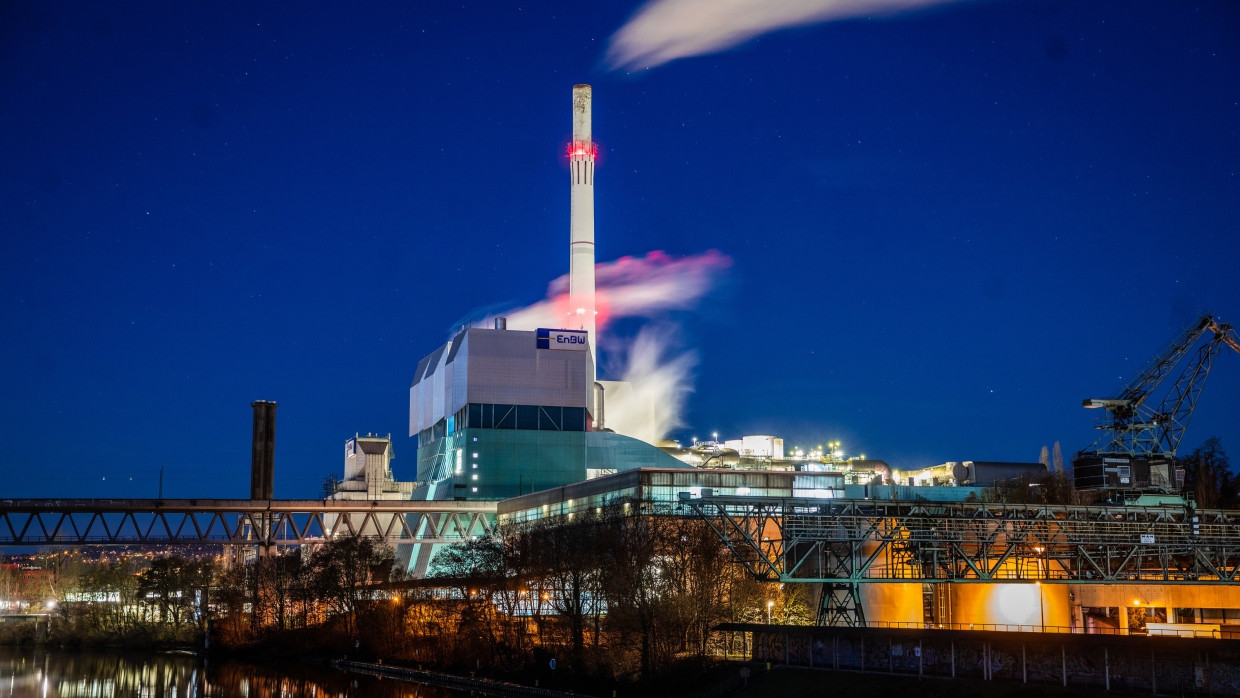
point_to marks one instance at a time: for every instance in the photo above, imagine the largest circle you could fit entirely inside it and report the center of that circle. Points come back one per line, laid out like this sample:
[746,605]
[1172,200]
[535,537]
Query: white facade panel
[437,388]
[502,367]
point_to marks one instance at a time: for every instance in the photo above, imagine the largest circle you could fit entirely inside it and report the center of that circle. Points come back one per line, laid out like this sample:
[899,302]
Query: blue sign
[576,340]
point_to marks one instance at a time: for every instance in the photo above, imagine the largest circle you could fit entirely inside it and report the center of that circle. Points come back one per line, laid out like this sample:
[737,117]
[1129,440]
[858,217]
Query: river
[38,674]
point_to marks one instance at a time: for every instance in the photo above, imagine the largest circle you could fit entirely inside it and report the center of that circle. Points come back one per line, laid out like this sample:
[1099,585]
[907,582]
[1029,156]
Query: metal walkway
[846,542]
[53,522]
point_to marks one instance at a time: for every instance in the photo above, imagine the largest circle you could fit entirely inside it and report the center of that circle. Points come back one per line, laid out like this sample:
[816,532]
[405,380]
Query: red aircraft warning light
[579,149]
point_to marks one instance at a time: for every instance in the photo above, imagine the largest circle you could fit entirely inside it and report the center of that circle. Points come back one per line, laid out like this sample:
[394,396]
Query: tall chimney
[263,451]
[581,153]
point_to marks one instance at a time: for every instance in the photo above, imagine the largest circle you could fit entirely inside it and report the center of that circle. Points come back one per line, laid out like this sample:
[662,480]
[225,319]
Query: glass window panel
[505,417]
[527,417]
[574,419]
[550,418]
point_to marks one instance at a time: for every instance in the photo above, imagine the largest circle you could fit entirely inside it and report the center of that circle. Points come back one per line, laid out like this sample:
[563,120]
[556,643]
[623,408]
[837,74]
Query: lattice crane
[1136,427]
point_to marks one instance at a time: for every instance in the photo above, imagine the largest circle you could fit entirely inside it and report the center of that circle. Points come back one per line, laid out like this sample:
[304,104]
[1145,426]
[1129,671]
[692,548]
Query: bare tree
[476,569]
[176,587]
[342,568]
[1208,476]
[634,580]
[564,554]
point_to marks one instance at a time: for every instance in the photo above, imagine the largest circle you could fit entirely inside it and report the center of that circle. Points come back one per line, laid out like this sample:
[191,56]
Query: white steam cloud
[655,375]
[664,30]
[655,382]
[630,287]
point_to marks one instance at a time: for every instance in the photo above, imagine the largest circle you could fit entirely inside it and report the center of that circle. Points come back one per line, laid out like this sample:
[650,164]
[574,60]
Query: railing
[1207,631]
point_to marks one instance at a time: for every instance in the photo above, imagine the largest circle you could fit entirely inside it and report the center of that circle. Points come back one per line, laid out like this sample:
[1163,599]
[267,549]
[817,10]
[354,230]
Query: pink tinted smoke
[631,287]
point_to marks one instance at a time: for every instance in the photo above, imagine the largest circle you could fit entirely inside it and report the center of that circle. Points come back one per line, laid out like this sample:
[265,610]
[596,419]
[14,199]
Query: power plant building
[499,413]
[368,471]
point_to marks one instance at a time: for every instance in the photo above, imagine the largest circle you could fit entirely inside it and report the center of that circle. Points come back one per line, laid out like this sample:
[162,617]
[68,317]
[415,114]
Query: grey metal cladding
[497,367]
[434,360]
[421,370]
[426,394]
[456,345]
[459,372]
[506,367]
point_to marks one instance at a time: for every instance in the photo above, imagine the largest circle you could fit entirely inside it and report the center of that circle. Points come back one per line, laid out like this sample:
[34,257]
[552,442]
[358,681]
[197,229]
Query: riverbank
[55,633]
[472,684]
[711,680]
[790,682]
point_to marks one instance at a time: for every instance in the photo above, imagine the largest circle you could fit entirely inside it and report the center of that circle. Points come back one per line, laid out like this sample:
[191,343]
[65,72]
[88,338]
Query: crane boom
[1227,334]
[1126,401]
[1140,439]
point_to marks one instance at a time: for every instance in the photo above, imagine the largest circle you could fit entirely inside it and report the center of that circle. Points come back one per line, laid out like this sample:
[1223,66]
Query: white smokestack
[581,154]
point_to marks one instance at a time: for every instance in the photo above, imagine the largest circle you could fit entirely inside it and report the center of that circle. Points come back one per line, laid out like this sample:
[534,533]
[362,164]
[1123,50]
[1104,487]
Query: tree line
[1208,480]
[604,593]
[607,592]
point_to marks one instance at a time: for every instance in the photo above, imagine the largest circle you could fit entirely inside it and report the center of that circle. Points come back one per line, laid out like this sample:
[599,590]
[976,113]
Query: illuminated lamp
[581,149]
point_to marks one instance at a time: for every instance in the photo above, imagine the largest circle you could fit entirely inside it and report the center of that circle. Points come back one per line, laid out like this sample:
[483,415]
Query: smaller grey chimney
[501,323]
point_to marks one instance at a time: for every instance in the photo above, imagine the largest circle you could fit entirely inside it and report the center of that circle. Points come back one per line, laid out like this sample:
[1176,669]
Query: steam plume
[656,377]
[664,30]
[630,287]
[656,382]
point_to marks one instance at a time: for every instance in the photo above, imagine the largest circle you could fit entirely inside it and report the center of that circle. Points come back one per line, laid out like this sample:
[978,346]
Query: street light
[769,604]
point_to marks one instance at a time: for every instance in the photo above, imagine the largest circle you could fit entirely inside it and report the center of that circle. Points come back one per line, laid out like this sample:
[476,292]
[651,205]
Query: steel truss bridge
[78,522]
[842,543]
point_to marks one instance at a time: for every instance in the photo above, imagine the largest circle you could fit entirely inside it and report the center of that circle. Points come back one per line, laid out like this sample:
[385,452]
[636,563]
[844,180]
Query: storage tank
[762,446]
[987,473]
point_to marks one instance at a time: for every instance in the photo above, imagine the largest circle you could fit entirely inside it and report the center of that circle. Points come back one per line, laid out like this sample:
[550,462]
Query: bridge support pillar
[840,605]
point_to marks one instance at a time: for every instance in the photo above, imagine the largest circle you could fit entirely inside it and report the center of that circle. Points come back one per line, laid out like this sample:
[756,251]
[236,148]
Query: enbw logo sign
[576,340]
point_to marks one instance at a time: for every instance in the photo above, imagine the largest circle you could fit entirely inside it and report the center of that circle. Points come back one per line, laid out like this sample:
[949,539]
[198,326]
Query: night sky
[946,227]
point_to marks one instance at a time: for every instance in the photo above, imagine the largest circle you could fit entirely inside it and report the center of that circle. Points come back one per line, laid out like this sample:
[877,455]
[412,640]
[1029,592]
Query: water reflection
[39,674]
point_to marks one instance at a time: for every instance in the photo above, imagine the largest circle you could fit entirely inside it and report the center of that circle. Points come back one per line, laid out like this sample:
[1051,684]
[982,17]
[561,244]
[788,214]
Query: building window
[526,417]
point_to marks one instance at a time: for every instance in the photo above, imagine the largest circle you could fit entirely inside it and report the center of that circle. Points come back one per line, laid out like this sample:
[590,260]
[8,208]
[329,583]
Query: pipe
[598,406]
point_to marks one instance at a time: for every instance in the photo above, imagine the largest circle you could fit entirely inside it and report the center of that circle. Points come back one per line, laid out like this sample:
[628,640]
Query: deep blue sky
[946,228]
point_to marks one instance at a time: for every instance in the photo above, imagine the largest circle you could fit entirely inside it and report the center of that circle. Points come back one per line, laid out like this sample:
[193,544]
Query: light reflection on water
[26,673]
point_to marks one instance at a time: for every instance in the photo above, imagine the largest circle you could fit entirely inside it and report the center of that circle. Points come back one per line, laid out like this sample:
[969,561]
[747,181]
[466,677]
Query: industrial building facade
[499,413]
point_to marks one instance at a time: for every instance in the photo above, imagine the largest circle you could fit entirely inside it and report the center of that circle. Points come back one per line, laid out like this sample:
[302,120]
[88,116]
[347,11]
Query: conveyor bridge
[861,541]
[78,522]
